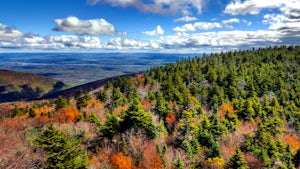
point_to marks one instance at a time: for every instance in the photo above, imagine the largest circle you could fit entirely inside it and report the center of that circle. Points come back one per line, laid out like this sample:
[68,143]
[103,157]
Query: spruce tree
[61,152]
[237,161]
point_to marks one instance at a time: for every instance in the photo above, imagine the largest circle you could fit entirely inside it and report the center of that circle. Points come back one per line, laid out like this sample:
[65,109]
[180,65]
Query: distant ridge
[21,86]
[85,87]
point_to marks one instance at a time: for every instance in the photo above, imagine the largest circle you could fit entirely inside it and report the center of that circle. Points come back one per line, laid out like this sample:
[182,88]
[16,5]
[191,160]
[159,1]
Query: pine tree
[237,161]
[61,152]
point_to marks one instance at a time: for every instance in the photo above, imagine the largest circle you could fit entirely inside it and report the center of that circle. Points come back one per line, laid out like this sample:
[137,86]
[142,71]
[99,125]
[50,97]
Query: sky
[163,26]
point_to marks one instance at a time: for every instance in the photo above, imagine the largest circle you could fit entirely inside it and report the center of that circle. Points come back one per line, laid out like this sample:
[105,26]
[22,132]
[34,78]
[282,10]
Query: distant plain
[80,68]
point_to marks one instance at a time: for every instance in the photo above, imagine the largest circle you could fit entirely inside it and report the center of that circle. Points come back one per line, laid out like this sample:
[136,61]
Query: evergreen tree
[237,161]
[102,96]
[61,102]
[83,101]
[61,152]
[136,118]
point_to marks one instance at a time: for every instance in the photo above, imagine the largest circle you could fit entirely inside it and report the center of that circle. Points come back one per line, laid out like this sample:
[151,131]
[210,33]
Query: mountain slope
[15,86]
[71,92]
[238,109]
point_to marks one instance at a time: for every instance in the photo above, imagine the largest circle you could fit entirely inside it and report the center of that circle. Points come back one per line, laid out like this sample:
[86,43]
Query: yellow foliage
[215,162]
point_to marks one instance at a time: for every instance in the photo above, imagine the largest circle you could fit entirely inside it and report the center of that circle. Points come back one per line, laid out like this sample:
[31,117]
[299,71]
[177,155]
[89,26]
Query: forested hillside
[16,86]
[239,109]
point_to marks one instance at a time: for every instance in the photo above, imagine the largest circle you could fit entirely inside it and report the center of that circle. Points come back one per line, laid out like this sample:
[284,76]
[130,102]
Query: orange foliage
[170,118]
[67,114]
[42,110]
[151,159]
[95,103]
[226,107]
[119,161]
[146,105]
[293,141]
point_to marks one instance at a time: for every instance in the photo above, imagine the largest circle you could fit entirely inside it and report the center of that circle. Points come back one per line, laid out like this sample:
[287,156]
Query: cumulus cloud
[197,26]
[238,7]
[181,41]
[186,19]
[84,27]
[285,20]
[166,7]
[227,23]
[156,32]
[222,39]
[7,32]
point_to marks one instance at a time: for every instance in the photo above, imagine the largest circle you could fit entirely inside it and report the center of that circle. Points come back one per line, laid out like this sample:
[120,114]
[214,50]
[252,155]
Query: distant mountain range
[17,86]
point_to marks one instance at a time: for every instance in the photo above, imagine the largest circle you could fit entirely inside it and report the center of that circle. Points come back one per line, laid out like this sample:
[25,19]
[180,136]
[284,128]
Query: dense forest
[232,110]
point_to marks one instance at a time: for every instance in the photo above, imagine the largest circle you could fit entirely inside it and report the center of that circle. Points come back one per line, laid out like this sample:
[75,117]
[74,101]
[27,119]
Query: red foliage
[119,161]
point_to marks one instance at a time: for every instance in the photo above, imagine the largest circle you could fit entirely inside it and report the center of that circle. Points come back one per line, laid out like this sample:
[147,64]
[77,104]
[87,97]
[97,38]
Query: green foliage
[31,112]
[117,98]
[135,117]
[264,144]
[18,111]
[111,126]
[61,102]
[102,96]
[231,121]
[161,107]
[178,163]
[237,161]
[93,118]
[82,101]
[61,151]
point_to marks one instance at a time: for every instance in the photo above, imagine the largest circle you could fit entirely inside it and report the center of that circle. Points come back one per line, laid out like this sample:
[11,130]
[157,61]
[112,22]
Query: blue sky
[186,26]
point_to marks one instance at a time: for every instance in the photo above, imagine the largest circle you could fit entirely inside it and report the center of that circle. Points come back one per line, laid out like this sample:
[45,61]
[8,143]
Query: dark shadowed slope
[85,87]
[15,86]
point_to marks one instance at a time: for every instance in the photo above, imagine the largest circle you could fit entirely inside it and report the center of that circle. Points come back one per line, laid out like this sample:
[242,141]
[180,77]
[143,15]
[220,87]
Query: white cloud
[197,26]
[227,23]
[156,32]
[84,27]
[181,41]
[9,32]
[283,15]
[185,19]
[238,7]
[221,39]
[167,7]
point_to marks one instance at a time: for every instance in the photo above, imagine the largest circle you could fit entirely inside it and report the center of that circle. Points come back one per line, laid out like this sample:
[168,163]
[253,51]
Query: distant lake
[80,68]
